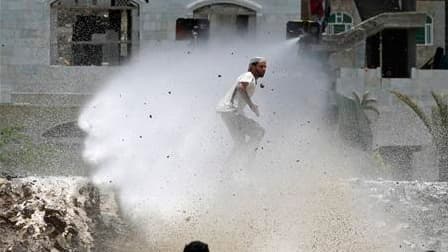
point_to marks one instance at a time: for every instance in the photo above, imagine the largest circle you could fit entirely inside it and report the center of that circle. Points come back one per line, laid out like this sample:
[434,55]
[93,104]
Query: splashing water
[153,133]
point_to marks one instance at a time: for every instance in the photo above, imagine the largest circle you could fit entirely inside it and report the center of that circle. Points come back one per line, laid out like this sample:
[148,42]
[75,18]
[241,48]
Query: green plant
[354,123]
[365,103]
[437,125]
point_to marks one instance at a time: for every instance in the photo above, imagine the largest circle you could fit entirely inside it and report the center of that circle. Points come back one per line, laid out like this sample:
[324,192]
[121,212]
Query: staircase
[369,27]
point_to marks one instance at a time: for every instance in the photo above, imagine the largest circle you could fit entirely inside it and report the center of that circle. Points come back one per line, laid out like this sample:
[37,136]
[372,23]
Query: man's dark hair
[196,246]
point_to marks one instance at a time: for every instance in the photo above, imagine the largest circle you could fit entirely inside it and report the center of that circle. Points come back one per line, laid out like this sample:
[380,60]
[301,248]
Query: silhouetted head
[257,66]
[196,246]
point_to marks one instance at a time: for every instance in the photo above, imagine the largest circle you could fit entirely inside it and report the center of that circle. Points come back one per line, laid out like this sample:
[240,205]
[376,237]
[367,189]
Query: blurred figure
[232,106]
[196,246]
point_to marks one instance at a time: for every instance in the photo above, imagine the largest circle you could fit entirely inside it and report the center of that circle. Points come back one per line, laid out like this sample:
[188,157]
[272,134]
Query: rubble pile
[71,214]
[44,214]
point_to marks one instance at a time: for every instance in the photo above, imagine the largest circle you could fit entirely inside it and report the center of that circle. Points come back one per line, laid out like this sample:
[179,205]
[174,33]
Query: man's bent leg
[252,129]
[256,135]
[233,125]
[255,132]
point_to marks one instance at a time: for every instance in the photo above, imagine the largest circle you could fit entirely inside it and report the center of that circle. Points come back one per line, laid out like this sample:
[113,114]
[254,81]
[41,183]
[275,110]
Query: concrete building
[348,13]
[55,53]
[364,67]
[60,47]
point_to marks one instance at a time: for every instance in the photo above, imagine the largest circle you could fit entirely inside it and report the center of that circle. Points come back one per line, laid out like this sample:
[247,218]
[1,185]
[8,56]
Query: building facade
[348,13]
[53,49]
[56,53]
[397,129]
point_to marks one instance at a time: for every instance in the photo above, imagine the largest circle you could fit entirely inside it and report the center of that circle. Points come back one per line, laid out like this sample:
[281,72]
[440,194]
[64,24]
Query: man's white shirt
[232,101]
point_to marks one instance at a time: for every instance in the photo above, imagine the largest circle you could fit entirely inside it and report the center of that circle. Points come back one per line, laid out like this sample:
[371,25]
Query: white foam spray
[153,133]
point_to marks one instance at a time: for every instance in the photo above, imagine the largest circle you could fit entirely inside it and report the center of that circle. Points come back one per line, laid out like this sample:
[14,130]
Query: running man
[231,109]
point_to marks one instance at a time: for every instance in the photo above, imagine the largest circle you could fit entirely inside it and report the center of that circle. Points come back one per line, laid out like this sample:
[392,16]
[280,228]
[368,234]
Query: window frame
[132,41]
[428,32]
[339,20]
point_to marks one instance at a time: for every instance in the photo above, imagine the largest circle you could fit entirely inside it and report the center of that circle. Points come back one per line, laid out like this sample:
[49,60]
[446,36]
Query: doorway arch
[246,3]
[228,19]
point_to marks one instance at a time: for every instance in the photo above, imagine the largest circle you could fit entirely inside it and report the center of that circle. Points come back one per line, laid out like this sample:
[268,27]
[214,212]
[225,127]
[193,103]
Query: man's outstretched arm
[243,90]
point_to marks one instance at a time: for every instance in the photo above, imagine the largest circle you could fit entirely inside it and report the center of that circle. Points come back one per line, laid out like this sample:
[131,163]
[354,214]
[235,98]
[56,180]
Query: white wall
[397,124]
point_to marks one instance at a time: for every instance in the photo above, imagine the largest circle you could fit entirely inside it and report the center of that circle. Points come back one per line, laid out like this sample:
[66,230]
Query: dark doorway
[242,24]
[373,51]
[192,29]
[227,20]
[395,53]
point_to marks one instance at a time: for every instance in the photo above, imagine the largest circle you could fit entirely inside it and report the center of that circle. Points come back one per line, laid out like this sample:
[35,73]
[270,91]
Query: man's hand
[254,108]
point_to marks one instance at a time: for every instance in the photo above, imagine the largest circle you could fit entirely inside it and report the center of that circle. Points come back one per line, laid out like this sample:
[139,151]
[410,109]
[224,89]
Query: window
[339,22]
[93,32]
[424,35]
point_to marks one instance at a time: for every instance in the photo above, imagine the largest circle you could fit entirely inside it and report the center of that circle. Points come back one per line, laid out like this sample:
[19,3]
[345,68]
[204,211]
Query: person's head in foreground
[257,66]
[196,246]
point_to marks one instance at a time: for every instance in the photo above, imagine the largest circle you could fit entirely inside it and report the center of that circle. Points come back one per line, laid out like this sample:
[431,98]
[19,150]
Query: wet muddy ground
[69,213]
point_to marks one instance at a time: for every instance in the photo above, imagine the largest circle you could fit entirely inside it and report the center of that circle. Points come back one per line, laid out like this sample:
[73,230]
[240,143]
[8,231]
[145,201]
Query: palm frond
[442,108]
[408,101]
[367,101]
[356,97]
[365,96]
[372,108]
[436,122]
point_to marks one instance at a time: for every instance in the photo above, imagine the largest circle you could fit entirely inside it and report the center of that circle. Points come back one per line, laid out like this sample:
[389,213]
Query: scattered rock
[415,211]
[52,214]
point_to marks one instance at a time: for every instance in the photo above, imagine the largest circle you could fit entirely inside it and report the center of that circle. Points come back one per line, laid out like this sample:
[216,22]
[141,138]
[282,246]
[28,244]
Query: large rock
[51,214]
